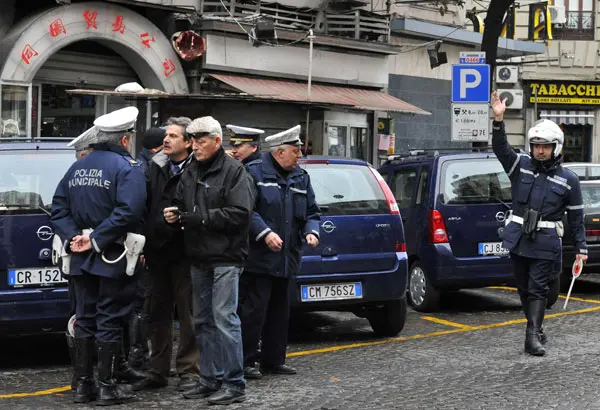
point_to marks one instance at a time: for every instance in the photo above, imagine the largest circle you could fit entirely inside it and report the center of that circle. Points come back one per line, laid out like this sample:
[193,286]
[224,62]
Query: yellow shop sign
[560,92]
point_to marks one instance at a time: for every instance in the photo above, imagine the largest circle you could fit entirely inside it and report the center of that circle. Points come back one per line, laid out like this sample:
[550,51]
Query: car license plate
[34,276]
[331,291]
[492,248]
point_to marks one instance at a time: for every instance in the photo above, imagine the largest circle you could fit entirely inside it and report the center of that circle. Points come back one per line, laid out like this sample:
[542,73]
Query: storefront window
[358,143]
[337,140]
[14,111]
[65,115]
[577,142]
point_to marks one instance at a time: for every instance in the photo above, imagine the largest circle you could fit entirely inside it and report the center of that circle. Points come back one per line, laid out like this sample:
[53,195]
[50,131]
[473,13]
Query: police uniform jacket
[161,185]
[285,206]
[550,190]
[252,157]
[221,198]
[104,191]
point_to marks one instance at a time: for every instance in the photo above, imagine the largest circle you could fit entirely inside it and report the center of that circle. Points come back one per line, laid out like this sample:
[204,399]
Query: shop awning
[297,92]
[569,116]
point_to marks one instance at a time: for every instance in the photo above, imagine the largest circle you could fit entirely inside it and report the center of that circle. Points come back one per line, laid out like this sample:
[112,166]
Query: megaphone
[188,44]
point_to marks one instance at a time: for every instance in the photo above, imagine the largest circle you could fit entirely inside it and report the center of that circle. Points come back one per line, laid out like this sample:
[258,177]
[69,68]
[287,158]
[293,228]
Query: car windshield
[344,189]
[474,181]
[591,195]
[28,178]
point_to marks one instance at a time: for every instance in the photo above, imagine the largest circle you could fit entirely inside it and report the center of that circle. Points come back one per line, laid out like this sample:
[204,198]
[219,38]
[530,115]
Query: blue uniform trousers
[102,307]
[264,310]
[533,276]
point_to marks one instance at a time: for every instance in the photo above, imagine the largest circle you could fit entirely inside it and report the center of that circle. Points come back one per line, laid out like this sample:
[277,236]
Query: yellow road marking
[434,334]
[596,301]
[36,393]
[446,322]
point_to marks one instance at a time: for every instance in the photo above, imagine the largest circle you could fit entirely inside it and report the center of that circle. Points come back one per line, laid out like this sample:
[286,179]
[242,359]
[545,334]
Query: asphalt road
[467,356]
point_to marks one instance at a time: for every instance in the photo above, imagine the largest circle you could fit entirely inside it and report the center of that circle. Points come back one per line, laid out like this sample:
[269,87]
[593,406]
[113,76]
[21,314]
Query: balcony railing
[580,26]
[356,24]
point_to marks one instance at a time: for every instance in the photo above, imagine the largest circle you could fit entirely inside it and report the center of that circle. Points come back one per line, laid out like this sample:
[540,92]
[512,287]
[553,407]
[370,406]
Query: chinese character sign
[57,28]
[118,25]
[146,39]
[27,53]
[169,67]
[90,19]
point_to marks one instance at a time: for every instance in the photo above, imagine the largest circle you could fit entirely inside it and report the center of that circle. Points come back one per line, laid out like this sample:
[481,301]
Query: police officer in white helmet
[542,190]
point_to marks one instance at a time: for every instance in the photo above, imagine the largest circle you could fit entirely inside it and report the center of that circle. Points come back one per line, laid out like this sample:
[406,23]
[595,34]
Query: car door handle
[328,252]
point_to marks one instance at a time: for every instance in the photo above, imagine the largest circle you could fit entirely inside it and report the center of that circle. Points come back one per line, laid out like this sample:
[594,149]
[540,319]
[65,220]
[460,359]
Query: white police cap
[241,135]
[287,137]
[85,139]
[118,121]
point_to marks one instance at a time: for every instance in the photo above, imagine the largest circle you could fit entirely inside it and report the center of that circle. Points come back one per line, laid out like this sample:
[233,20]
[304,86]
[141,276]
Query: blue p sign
[471,83]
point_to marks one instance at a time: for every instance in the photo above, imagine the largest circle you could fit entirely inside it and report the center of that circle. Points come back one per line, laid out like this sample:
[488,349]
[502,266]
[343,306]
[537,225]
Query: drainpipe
[311,38]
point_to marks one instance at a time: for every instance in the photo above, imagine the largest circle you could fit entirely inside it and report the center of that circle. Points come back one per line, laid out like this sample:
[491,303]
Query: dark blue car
[360,264]
[33,295]
[452,206]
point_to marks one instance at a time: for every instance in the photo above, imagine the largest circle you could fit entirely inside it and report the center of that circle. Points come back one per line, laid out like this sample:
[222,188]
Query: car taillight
[437,228]
[592,232]
[389,196]
[400,247]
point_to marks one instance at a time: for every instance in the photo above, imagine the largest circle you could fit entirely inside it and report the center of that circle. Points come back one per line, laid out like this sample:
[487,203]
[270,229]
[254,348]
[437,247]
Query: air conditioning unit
[558,14]
[514,98]
[507,75]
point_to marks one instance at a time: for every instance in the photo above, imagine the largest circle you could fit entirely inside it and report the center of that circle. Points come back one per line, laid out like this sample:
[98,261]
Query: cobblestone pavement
[468,356]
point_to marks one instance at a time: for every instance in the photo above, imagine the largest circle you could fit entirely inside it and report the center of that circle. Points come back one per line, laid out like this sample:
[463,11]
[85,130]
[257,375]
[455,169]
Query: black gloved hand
[190,220]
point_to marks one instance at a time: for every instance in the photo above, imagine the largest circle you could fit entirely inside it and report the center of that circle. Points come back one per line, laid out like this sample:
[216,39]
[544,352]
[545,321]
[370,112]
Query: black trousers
[102,307]
[264,310]
[533,276]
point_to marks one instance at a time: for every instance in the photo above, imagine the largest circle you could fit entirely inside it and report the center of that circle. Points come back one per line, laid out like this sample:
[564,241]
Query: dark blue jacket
[552,191]
[105,191]
[286,207]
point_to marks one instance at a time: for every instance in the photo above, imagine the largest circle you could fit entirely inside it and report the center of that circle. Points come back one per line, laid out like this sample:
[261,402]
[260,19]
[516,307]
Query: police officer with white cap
[542,190]
[245,143]
[100,199]
[285,217]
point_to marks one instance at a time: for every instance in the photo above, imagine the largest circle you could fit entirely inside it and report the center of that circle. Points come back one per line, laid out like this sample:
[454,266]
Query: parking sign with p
[470,83]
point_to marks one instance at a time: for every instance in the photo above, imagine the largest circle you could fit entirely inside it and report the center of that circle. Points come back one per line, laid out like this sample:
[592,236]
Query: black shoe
[149,383]
[125,374]
[279,369]
[535,316]
[542,336]
[84,389]
[252,373]
[226,396]
[187,382]
[110,393]
[199,391]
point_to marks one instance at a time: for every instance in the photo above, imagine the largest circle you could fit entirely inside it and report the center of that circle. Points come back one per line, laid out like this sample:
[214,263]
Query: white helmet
[545,132]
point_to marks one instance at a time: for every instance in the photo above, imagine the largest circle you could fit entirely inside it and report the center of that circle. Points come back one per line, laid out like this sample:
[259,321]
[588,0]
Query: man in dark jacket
[285,216]
[169,282]
[213,206]
[245,143]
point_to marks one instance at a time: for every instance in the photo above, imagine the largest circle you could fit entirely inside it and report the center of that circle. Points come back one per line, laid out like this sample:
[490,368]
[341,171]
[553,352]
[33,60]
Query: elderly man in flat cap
[100,200]
[285,217]
[213,206]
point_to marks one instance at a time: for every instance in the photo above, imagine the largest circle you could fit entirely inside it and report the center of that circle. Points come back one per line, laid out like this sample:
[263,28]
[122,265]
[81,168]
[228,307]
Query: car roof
[35,145]
[331,160]
[429,156]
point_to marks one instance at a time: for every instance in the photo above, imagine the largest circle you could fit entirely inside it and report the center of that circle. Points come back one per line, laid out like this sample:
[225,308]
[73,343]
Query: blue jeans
[217,325]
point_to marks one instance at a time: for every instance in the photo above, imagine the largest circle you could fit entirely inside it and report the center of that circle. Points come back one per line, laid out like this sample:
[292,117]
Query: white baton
[577,268]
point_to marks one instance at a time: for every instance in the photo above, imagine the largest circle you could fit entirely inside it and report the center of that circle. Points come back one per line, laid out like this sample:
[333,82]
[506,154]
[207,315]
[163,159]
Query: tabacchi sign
[564,92]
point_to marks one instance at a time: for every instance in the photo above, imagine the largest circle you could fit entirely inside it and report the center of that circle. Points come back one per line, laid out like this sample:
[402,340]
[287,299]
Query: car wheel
[388,321]
[421,294]
[555,288]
